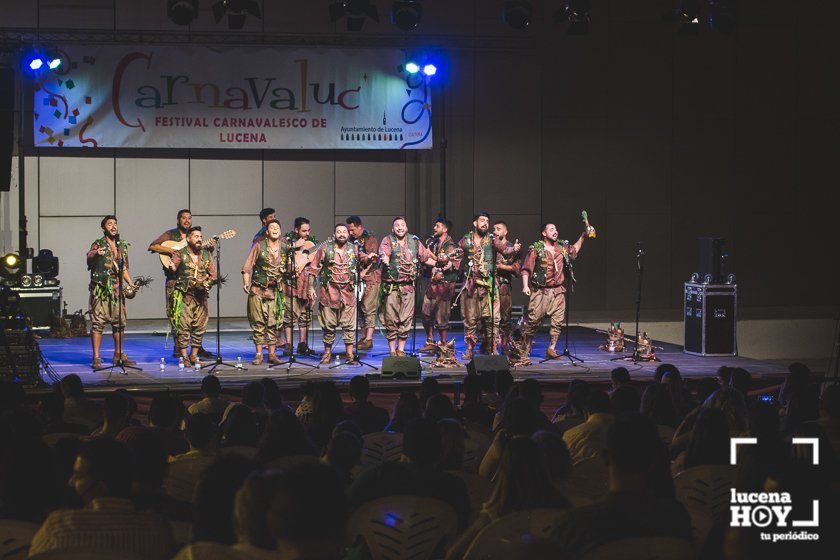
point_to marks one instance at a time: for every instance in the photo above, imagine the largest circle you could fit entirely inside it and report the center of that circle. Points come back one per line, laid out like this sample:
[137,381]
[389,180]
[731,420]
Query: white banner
[111,96]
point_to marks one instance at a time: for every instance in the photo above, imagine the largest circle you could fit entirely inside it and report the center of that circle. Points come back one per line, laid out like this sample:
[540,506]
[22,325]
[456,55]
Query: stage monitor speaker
[7,126]
[405,367]
[710,257]
[482,365]
[710,319]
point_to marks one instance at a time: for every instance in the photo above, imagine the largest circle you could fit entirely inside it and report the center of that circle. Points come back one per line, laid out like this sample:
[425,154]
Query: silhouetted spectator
[211,404]
[77,408]
[625,399]
[343,453]
[406,409]
[283,437]
[164,423]
[214,497]
[590,438]
[115,413]
[368,417]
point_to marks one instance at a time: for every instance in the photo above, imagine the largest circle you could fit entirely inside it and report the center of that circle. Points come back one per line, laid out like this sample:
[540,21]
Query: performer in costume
[261,280]
[178,233]
[335,262]
[299,297]
[107,304]
[371,276]
[400,254]
[195,274]
[267,215]
[437,298]
[480,300]
[543,281]
[507,268]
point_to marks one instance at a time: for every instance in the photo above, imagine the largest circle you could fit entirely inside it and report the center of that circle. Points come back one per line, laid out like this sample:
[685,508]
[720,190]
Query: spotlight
[356,12]
[429,69]
[11,261]
[576,12]
[182,12]
[54,63]
[26,281]
[687,16]
[412,67]
[45,263]
[36,63]
[237,11]
[517,13]
[406,14]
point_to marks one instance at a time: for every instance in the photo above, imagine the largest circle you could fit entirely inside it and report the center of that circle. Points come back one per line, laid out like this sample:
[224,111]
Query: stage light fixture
[576,13]
[412,67]
[687,17]
[237,11]
[430,69]
[406,14]
[36,63]
[45,264]
[355,11]
[517,13]
[182,12]
[54,63]
[26,281]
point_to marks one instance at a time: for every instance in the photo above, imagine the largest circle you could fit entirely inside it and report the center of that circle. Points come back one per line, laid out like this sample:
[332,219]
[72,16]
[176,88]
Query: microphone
[117,237]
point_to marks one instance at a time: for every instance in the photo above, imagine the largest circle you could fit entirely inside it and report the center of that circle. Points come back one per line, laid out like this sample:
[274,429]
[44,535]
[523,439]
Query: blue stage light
[429,70]
[412,67]
[36,63]
[54,63]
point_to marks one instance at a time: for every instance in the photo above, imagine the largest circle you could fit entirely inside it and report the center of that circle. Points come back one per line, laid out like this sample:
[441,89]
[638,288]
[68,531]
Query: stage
[147,347]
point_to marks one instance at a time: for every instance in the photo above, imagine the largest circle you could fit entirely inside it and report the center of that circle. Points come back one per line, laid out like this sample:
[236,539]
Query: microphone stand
[119,363]
[357,296]
[218,360]
[567,266]
[635,357]
[293,359]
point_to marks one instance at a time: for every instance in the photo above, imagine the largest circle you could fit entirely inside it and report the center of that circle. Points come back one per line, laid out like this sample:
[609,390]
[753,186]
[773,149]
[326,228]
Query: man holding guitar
[371,276]
[195,274]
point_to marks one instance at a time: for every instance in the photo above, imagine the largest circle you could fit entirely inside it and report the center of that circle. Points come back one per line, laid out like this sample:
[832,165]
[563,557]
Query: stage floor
[73,355]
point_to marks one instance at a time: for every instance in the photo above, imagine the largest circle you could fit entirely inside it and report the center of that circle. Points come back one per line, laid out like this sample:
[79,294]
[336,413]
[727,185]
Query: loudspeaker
[481,365]
[405,367]
[709,257]
[710,325]
[7,126]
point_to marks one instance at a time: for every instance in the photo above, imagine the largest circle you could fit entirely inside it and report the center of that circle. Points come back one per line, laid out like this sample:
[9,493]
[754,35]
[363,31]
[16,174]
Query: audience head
[733,406]
[103,468]
[658,406]
[200,431]
[283,437]
[619,376]
[239,427]
[211,387]
[422,442]
[673,385]
[439,407]
[503,381]
[724,375]
[662,369]
[597,402]
[253,394]
[116,408]
[348,426]
[471,386]
[452,444]
[557,457]
[343,452]
[522,480]
[741,379]
[308,514]
[519,417]
[164,412]
[71,386]
[636,457]
[52,406]
[625,399]
[250,510]
[709,443]
[214,497]
[577,395]
[706,387]
[406,409]
[830,402]
[359,388]
[271,393]
[428,387]
[531,391]
[150,456]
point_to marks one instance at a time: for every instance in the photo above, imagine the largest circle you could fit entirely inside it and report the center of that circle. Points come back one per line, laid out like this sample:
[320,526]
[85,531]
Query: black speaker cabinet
[40,305]
[405,367]
[481,365]
[710,327]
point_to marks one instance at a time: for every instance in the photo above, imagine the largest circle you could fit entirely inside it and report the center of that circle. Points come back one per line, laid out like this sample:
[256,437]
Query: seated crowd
[253,477]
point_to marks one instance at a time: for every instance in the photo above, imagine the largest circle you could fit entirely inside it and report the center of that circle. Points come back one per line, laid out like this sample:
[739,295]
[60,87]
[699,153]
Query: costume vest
[481,255]
[328,263]
[264,272]
[541,264]
[189,271]
[393,270]
[447,247]
[101,272]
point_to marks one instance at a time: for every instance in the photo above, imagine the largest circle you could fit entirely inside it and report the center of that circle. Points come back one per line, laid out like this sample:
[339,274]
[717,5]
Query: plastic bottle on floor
[239,362]
[181,363]
[162,364]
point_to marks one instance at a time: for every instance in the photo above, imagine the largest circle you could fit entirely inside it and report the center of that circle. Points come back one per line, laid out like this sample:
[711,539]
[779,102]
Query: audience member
[571,413]
[253,396]
[239,430]
[709,443]
[797,378]
[115,415]
[452,444]
[308,515]
[406,409]
[214,498]
[271,394]
[327,412]
[211,404]
[625,400]
[283,437]
[558,460]
[368,417]
[522,482]
[674,389]
[474,409]
[428,388]
[705,387]
[29,484]
[742,380]
[52,411]
[164,423]
[518,418]
[662,369]
[150,457]
[416,474]
[343,453]
[829,418]
[77,408]
[619,377]
[102,478]
[640,502]
[439,407]
[185,469]
[590,438]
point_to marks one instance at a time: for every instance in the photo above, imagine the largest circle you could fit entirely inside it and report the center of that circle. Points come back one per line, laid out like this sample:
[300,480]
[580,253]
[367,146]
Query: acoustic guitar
[166,260]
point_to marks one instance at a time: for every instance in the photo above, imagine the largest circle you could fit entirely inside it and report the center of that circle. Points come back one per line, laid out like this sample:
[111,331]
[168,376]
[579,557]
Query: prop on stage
[615,338]
[445,355]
